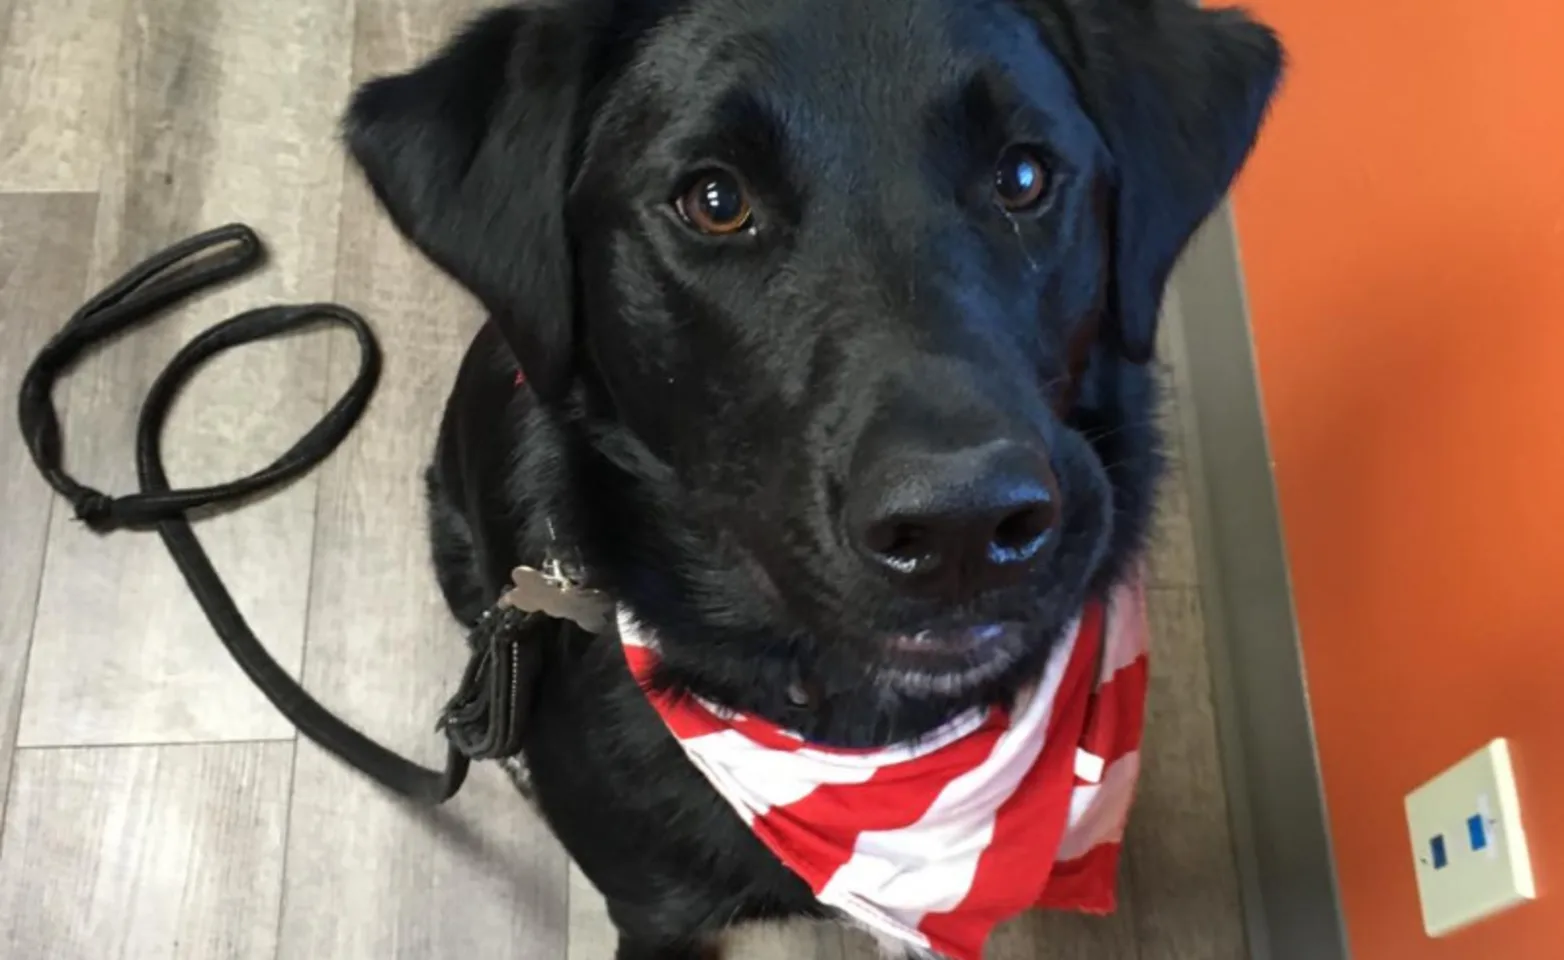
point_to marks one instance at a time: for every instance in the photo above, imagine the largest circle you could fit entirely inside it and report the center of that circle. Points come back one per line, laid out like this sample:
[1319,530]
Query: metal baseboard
[1269,761]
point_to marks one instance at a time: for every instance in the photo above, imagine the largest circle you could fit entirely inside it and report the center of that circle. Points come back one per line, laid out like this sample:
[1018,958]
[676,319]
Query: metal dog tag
[554,595]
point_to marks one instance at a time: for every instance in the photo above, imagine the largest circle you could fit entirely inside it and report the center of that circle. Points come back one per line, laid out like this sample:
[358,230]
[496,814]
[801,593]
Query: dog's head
[846,306]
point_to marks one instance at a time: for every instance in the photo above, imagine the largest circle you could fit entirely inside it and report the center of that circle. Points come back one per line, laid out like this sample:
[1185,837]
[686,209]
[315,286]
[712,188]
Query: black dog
[834,318]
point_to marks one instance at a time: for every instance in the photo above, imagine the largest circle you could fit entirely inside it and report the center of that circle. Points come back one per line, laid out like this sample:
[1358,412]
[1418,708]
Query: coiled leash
[486,717]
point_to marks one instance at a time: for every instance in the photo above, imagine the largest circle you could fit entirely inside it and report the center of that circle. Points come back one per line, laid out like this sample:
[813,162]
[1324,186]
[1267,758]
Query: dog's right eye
[716,204]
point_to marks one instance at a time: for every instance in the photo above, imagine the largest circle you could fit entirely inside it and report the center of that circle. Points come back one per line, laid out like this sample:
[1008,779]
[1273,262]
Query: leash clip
[486,717]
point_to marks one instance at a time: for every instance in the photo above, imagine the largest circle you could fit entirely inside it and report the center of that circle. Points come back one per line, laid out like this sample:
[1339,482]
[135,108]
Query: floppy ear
[1178,92]
[471,155]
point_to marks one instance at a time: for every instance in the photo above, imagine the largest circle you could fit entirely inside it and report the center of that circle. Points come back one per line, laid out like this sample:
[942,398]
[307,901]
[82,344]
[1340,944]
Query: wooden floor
[154,806]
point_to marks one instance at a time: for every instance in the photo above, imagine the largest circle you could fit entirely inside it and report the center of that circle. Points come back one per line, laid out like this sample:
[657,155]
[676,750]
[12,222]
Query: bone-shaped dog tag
[534,591]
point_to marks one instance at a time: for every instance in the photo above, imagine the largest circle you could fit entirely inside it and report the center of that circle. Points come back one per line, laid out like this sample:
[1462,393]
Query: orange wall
[1402,235]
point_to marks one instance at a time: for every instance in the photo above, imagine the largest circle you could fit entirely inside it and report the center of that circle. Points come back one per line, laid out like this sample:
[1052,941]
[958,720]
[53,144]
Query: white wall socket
[1468,846]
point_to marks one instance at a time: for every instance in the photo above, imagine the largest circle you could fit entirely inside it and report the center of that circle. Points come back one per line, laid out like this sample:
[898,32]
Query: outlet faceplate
[1468,846]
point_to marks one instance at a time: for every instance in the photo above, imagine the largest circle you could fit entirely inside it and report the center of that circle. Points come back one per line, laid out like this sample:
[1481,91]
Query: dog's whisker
[1026,252]
[1120,428]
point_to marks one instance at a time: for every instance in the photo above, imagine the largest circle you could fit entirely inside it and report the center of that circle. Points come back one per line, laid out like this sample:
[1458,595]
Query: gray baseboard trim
[1280,833]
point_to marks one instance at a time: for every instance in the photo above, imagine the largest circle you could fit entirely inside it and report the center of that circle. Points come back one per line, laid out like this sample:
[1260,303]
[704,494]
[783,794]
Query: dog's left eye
[716,204]
[1021,179]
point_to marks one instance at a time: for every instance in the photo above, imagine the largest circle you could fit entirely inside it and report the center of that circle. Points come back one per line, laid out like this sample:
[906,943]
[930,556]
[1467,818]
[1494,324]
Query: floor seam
[144,744]
[24,662]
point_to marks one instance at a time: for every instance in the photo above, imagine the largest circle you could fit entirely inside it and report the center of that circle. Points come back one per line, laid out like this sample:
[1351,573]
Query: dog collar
[934,844]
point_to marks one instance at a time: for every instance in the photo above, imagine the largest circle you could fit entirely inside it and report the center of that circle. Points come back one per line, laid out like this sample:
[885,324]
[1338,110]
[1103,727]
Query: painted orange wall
[1402,236]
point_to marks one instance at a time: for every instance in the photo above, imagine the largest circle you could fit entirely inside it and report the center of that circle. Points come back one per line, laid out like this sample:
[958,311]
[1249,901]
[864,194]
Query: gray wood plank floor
[153,805]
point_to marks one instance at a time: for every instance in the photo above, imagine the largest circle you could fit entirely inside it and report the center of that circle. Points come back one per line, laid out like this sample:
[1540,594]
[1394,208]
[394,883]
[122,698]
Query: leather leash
[486,717]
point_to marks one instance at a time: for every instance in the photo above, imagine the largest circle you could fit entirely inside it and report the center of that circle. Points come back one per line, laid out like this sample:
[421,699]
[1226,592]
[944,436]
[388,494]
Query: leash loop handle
[150,287]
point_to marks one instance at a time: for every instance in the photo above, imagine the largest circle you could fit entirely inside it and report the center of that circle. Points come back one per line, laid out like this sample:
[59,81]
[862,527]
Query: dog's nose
[967,519]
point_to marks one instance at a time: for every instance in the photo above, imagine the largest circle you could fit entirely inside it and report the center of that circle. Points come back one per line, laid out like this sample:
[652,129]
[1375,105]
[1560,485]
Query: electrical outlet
[1468,847]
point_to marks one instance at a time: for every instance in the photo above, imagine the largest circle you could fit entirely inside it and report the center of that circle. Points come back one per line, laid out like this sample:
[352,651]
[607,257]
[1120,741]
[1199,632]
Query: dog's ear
[1178,93]
[471,156]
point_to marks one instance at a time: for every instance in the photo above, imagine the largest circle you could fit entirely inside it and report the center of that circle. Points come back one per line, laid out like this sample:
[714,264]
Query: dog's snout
[962,520]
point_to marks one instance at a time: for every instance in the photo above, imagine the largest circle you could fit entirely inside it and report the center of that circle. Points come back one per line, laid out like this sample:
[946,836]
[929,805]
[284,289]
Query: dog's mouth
[951,662]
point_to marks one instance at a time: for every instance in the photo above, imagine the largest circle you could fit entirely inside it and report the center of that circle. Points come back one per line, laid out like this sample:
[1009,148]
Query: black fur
[699,408]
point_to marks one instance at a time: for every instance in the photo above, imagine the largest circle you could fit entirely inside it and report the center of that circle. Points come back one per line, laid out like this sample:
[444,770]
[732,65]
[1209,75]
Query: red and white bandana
[936,843]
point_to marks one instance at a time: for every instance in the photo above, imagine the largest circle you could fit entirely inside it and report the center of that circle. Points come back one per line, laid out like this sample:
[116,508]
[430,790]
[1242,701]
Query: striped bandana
[935,843]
